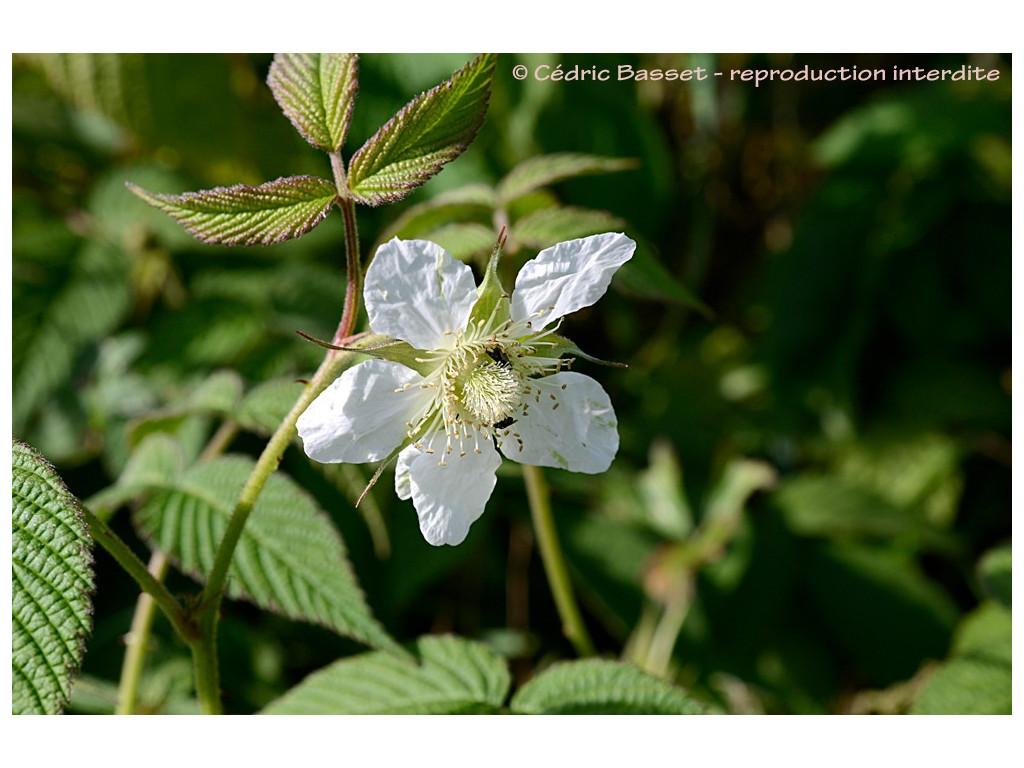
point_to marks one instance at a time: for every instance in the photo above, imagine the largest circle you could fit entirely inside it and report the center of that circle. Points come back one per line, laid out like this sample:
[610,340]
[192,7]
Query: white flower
[485,375]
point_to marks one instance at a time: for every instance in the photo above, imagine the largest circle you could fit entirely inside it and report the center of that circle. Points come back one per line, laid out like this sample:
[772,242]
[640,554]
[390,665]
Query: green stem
[102,534]
[220,441]
[138,640]
[663,641]
[554,562]
[204,660]
[204,650]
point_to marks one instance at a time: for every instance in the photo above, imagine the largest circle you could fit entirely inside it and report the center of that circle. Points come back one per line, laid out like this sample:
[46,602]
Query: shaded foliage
[850,243]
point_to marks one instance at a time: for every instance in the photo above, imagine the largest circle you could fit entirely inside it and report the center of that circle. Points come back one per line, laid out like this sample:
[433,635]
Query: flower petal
[568,276]
[448,499]
[360,417]
[570,424]
[415,291]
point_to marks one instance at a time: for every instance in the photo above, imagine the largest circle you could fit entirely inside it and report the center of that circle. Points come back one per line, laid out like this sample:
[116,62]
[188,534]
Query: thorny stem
[204,651]
[138,640]
[554,562]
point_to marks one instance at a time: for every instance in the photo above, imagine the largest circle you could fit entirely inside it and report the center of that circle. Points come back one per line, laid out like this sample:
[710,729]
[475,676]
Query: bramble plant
[455,373]
[338,464]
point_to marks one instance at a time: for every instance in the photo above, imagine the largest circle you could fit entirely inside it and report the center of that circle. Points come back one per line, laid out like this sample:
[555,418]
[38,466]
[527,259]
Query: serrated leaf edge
[76,507]
[176,206]
[432,167]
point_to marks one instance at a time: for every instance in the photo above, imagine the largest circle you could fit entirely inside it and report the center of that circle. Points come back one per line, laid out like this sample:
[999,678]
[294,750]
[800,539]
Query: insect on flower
[473,375]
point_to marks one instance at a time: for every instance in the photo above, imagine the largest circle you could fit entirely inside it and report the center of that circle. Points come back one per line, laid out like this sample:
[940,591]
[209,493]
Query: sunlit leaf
[51,584]
[548,169]
[289,559]
[242,215]
[316,91]
[448,676]
[599,687]
[428,132]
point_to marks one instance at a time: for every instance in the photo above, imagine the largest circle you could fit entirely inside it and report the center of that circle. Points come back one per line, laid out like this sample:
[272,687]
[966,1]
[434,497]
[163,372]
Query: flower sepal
[492,307]
[384,348]
[563,347]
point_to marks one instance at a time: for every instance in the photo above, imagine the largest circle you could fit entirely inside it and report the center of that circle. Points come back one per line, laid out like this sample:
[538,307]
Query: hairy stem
[138,640]
[204,651]
[353,264]
[554,562]
[102,534]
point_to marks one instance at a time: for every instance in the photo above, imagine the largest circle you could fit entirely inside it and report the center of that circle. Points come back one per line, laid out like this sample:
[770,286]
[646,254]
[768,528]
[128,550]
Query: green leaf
[449,676]
[599,687]
[265,406]
[51,583]
[275,211]
[541,171]
[65,302]
[664,505]
[218,394]
[728,499]
[977,678]
[826,505]
[428,132]
[290,558]
[465,241]
[474,202]
[316,91]
[994,571]
[157,462]
[645,276]
[548,226]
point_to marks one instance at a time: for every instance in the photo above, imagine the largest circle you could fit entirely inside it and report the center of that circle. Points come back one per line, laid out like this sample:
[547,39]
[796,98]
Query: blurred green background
[810,509]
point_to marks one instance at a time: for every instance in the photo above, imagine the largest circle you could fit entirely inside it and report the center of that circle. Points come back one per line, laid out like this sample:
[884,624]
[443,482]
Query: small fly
[497,354]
